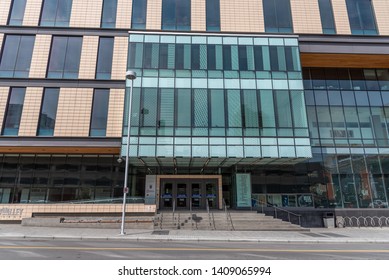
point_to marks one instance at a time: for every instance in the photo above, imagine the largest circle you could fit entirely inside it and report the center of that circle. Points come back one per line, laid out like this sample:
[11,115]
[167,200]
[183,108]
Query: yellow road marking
[197,249]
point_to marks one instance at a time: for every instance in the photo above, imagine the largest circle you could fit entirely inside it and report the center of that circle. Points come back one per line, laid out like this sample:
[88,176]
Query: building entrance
[189,194]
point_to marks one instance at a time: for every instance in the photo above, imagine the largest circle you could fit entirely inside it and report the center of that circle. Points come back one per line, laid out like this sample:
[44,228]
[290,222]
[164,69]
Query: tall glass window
[56,13]
[48,112]
[213,15]
[65,57]
[99,117]
[16,57]
[104,58]
[361,17]
[108,17]
[327,17]
[17,12]
[278,16]
[139,10]
[13,112]
[176,14]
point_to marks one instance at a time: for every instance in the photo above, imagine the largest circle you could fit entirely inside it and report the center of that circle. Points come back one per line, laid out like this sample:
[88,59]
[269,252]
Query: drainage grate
[160,232]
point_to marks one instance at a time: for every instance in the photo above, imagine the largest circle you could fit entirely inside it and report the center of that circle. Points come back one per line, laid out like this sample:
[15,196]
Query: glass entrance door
[196,197]
[211,194]
[167,195]
[181,195]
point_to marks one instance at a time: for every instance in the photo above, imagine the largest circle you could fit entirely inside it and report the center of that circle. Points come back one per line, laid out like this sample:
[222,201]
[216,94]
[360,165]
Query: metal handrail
[174,208]
[278,208]
[209,215]
[228,215]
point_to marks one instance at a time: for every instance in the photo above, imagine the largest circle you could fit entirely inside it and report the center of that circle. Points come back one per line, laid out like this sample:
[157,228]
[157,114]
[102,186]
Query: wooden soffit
[60,150]
[344,60]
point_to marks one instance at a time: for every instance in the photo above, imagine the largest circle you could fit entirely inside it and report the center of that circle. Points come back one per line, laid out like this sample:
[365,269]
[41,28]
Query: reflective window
[56,13]
[13,112]
[108,17]
[48,112]
[65,57]
[176,14]
[16,56]
[104,58]
[361,17]
[278,17]
[327,17]
[17,12]
[139,10]
[213,15]
[99,116]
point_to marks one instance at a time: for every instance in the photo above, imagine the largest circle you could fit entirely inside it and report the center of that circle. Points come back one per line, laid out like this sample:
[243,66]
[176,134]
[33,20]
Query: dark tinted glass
[99,112]
[104,58]
[16,56]
[56,13]
[176,14]
[65,57]
[48,112]
[327,17]
[108,18]
[361,17]
[139,9]
[17,12]
[13,112]
[277,14]
[213,15]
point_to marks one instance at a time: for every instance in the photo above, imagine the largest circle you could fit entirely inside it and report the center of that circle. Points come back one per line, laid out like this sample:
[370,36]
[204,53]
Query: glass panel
[250,105]
[13,112]
[56,13]
[99,112]
[149,110]
[17,12]
[48,112]
[139,9]
[108,18]
[200,108]
[361,17]
[184,108]
[327,17]
[284,114]
[213,15]
[277,15]
[104,58]
[166,118]
[234,108]
[217,108]
[267,109]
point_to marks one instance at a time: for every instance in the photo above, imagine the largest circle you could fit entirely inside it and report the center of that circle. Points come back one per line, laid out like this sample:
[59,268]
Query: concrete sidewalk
[315,235]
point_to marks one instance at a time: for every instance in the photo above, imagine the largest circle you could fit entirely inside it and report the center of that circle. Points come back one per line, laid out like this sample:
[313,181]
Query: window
[104,58]
[16,56]
[213,15]
[99,118]
[277,15]
[48,112]
[17,12]
[139,9]
[108,18]
[327,17]
[56,13]
[65,57]
[13,113]
[176,14]
[361,17]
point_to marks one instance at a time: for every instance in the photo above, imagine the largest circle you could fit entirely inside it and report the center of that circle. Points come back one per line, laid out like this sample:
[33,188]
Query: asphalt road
[40,249]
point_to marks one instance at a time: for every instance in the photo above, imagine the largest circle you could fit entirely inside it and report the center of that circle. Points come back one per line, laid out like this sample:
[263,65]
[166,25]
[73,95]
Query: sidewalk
[315,235]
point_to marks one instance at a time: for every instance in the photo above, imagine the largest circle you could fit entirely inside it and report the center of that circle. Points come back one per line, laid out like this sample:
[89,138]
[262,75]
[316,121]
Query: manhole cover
[160,232]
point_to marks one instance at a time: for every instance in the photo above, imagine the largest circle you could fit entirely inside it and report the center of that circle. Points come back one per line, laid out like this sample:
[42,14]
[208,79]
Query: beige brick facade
[198,16]
[86,13]
[123,16]
[241,16]
[341,17]
[154,14]
[115,113]
[304,12]
[4,91]
[31,109]
[119,60]
[4,11]
[32,12]
[40,56]
[381,8]
[74,112]
[88,57]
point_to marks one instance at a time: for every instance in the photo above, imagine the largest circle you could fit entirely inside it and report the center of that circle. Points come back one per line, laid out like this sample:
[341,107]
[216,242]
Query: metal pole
[132,76]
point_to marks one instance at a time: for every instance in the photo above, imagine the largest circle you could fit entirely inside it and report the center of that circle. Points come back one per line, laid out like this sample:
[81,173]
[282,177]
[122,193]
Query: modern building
[274,102]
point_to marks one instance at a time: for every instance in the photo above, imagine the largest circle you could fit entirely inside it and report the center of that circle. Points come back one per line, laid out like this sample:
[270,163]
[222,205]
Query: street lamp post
[130,75]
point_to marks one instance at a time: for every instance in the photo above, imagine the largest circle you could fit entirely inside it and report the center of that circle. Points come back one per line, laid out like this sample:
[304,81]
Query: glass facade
[16,56]
[202,96]
[278,16]
[98,126]
[56,13]
[176,15]
[13,112]
[213,15]
[108,17]
[361,17]
[139,11]
[17,12]
[104,58]
[327,17]
[48,112]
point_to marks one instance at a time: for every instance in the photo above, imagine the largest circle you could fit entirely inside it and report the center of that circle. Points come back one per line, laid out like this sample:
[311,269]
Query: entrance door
[197,196]
[182,195]
[211,194]
[167,195]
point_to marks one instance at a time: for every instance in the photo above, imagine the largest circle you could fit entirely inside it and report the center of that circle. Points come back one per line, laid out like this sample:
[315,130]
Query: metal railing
[211,219]
[276,208]
[129,199]
[362,221]
[228,216]
[174,209]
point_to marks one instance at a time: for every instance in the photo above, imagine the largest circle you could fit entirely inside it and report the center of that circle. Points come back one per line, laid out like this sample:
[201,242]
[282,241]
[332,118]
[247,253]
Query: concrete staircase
[219,220]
